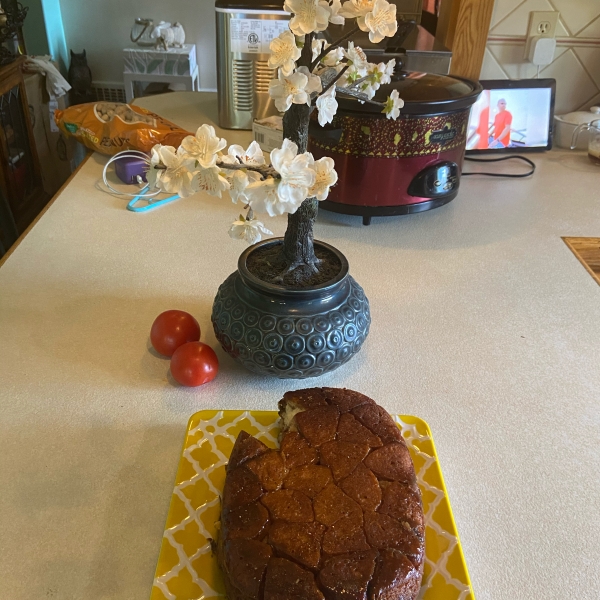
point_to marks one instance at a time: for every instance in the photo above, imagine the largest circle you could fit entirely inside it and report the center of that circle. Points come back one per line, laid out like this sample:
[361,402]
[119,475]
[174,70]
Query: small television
[512,116]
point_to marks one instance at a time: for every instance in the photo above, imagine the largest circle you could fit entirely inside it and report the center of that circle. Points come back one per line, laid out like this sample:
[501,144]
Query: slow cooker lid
[423,93]
[266,5]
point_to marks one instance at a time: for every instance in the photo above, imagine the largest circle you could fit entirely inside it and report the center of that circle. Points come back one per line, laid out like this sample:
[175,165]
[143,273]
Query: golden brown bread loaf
[334,514]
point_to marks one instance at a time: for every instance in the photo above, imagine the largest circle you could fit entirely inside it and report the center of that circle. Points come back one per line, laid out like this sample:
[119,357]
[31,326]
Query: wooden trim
[447,22]
[587,252]
[43,211]
[569,42]
[463,27]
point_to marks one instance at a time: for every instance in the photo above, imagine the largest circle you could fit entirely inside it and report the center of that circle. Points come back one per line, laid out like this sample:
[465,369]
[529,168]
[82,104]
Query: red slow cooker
[388,167]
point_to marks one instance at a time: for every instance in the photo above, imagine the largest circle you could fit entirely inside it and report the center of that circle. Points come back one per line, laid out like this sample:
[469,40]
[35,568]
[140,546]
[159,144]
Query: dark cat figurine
[80,78]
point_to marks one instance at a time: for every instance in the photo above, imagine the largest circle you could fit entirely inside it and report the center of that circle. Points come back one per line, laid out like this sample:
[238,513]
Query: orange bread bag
[110,127]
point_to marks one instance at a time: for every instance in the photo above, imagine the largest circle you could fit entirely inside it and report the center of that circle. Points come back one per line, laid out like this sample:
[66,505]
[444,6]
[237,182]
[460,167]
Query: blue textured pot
[291,334]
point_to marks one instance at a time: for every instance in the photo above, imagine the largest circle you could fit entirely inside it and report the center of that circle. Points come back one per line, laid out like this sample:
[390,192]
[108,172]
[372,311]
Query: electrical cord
[128,154]
[503,158]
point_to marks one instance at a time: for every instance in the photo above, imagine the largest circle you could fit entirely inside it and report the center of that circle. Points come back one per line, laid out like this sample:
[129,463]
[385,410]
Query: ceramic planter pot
[290,334]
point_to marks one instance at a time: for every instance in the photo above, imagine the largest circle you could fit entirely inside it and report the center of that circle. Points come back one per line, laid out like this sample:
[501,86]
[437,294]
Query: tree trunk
[295,125]
[298,248]
[298,243]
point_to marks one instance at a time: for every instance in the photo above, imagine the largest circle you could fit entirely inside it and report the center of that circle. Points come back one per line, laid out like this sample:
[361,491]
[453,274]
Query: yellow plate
[187,569]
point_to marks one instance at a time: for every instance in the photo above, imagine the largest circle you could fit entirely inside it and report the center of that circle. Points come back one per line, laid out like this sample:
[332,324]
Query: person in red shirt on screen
[502,124]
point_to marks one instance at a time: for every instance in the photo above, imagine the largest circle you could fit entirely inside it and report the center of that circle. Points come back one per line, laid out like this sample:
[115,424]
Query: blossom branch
[264,170]
[332,82]
[358,95]
[359,81]
[306,55]
[333,46]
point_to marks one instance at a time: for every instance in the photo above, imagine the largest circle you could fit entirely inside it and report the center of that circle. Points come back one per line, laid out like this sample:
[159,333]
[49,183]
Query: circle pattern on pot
[289,347]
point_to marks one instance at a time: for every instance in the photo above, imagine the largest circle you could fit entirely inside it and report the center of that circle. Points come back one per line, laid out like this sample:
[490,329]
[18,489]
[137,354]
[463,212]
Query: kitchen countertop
[484,324]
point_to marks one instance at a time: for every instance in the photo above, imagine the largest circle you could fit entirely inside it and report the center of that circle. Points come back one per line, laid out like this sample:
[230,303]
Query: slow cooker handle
[405,28]
[399,74]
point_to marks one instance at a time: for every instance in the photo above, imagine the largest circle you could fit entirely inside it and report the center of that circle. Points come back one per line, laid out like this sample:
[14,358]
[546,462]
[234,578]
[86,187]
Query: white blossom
[284,52]
[381,21]
[239,180]
[253,155]
[153,174]
[204,146]
[327,106]
[378,75]
[296,175]
[177,177]
[335,17]
[351,75]
[356,56]
[210,181]
[313,81]
[386,77]
[263,197]
[374,76]
[344,79]
[333,58]
[288,90]
[309,15]
[368,89]
[393,106]
[317,47]
[248,230]
[357,9]
[326,176]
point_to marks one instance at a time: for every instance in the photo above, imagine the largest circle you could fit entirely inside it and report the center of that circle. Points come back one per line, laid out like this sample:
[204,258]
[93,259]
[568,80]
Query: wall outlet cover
[542,24]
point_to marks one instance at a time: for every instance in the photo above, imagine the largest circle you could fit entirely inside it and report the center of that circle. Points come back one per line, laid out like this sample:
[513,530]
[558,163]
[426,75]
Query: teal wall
[55,33]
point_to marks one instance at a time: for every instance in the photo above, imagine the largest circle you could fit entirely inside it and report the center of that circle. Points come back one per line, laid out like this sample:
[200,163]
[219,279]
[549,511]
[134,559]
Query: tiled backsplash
[576,65]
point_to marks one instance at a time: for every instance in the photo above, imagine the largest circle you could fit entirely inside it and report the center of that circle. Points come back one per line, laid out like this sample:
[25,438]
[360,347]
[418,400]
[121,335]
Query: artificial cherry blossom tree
[310,74]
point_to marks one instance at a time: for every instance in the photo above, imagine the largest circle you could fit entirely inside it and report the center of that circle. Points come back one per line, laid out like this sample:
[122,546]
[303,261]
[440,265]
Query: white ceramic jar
[565,126]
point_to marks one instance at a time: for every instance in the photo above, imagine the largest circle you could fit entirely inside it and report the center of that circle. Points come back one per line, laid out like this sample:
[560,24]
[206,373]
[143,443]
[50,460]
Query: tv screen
[512,118]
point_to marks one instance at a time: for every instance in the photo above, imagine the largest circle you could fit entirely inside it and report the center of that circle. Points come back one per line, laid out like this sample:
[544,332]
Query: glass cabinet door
[20,170]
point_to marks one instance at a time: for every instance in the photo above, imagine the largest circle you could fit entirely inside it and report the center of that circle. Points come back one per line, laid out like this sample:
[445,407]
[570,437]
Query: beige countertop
[484,324]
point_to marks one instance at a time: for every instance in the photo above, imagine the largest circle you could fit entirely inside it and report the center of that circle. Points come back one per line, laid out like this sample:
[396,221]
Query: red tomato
[172,329]
[194,363]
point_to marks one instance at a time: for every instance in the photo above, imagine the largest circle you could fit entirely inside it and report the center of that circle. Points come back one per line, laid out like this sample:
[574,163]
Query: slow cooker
[388,167]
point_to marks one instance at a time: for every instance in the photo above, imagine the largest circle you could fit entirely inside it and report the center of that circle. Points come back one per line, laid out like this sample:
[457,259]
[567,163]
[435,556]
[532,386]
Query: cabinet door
[21,179]
[8,227]
[21,176]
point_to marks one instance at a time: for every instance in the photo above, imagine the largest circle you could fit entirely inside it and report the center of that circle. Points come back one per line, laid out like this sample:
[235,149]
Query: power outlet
[541,24]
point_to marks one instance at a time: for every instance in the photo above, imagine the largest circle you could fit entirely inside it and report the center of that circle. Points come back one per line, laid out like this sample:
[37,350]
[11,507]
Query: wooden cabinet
[20,174]
[463,27]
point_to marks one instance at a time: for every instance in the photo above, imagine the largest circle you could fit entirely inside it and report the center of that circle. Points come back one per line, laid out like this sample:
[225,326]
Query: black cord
[489,160]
